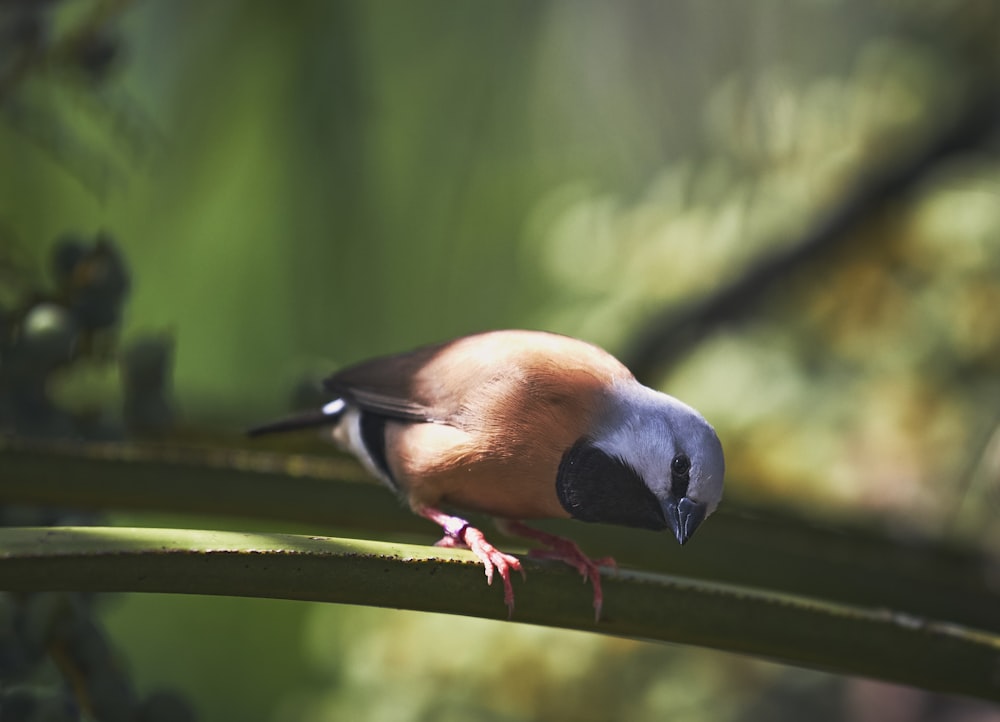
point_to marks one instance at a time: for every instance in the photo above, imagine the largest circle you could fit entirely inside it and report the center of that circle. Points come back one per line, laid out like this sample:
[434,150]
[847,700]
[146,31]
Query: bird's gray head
[651,462]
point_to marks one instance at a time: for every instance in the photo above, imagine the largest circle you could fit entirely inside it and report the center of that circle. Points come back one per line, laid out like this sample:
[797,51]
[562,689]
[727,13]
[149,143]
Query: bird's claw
[564,550]
[492,558]
[458,533]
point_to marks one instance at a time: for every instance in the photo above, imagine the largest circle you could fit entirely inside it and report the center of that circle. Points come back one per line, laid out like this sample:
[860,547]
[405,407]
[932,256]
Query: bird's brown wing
[390,386]
[436,383]
[385,404]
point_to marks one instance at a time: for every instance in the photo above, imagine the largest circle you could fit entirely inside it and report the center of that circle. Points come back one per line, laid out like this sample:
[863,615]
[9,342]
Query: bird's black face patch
[593,486]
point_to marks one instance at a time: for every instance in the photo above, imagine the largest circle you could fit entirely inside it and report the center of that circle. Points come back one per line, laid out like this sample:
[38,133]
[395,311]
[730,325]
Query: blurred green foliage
[298,186]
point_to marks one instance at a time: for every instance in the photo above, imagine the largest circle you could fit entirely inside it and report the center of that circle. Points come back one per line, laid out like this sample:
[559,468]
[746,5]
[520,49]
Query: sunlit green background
[301,185]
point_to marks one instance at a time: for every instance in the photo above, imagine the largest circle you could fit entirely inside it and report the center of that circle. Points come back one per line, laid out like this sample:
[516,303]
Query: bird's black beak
[684,517]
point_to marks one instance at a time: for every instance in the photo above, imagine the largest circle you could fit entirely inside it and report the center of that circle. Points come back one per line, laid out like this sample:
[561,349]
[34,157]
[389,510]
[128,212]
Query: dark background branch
[670,335]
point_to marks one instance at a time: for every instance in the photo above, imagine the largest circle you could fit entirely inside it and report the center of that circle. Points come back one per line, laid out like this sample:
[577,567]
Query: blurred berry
[67,253]
[99,285]
[47,337]
[45,340]
[146,371]
[97,54]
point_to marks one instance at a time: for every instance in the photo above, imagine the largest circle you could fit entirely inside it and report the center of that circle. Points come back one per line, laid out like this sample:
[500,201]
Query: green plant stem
[766,549]
[837,638]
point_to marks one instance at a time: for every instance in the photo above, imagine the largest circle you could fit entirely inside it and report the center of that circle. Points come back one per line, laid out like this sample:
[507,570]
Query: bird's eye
[680,465]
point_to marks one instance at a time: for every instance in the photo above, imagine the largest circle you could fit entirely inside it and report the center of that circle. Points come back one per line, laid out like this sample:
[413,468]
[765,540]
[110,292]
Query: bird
[523,425]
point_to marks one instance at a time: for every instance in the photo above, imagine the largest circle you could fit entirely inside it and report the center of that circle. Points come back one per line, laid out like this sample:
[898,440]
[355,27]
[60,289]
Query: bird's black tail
[329,415]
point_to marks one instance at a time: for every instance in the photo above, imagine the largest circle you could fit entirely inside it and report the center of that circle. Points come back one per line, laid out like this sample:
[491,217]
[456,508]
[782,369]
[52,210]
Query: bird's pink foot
[459,533]
[564,550]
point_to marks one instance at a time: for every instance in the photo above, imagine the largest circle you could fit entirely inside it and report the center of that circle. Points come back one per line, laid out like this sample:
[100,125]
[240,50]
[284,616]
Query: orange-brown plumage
[504,410]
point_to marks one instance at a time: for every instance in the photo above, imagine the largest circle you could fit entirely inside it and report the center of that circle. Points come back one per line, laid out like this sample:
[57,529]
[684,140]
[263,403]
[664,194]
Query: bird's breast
[440,464]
